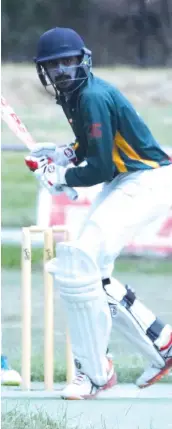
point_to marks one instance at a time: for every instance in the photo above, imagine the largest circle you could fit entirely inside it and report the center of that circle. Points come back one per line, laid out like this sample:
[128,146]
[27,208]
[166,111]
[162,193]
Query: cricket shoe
[9,377]
[153,373]
[83,388]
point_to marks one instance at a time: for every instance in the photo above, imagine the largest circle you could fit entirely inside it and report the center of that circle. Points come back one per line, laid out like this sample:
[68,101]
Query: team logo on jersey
[95,130]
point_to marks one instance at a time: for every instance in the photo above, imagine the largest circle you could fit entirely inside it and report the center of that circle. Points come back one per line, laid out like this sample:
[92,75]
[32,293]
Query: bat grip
[70,192]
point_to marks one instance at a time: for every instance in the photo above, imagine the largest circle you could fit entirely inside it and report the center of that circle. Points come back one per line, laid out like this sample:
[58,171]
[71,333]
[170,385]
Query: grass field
[37,420]
[149,90]
[102,414]
[40,420]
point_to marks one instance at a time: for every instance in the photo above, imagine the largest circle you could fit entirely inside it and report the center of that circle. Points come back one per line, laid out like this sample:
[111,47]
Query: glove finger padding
[34,163]
[61,155]
[44,150]
[50,175]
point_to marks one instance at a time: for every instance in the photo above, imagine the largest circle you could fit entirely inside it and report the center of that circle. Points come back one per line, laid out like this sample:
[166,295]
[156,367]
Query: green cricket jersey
[110,135]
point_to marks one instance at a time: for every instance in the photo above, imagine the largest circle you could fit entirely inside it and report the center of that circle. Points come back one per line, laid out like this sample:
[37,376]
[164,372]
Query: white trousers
[121,210]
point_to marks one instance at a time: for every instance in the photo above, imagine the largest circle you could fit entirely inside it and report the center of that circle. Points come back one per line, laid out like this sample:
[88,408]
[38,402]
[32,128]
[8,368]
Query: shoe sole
[161,374]
[112,382]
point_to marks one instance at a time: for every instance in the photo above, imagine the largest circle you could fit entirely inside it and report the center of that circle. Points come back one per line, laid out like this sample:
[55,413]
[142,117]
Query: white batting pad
[87,310]
[132,323]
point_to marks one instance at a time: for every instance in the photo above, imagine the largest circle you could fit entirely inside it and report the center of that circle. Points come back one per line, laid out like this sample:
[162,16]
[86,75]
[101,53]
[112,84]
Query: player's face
[62,71]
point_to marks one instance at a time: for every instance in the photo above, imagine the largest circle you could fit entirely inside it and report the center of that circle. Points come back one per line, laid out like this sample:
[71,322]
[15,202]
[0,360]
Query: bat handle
[70,192]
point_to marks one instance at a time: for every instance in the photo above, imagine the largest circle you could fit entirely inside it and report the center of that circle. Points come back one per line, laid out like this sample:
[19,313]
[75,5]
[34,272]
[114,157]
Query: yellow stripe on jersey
[130,152]
[76,145]
[118,160]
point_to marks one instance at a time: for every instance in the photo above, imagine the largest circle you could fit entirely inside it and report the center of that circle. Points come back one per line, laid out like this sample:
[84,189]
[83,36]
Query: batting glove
[34,163]
[60,155]
[51,176]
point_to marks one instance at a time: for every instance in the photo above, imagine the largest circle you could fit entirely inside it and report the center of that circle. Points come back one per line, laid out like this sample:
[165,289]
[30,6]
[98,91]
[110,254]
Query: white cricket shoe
[154,373]
[82,387]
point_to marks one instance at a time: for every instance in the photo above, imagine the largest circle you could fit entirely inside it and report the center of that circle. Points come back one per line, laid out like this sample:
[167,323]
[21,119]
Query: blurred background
[131,41]
[118,31]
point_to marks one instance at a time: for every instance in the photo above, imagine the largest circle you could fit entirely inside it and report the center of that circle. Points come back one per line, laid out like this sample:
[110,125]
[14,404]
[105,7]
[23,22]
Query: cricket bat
[18,128]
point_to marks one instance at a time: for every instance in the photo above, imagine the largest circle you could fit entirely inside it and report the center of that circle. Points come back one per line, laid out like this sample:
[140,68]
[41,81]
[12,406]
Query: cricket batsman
[121,153]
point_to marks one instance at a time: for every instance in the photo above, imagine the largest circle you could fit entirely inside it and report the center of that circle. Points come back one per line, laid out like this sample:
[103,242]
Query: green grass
[149,266]
[17,419]
[19,191]
[37,372]
[126,372]
[148,90]
[40,420]
[11,259]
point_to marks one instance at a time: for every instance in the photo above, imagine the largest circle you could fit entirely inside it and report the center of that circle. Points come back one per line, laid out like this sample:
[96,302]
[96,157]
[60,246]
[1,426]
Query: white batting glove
[50,175]
[52,178]
[38,166]
[60,155]
[34,163]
